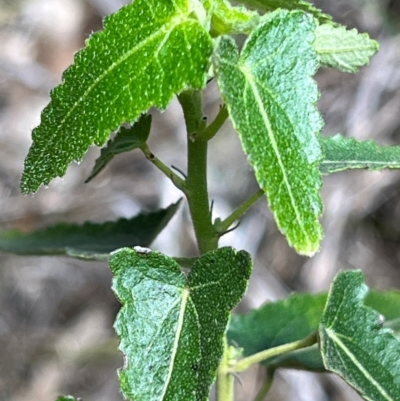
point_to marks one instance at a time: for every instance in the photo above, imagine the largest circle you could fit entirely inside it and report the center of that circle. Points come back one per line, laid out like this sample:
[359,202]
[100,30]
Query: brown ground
[56,314]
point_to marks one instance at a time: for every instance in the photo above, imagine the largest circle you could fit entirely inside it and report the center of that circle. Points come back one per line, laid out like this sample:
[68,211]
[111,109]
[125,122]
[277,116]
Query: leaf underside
[142,58]
[171,327]
[347,153]
[90,240]
[343,49]
[271,5]
[262,88]
[354,344]
[126,139]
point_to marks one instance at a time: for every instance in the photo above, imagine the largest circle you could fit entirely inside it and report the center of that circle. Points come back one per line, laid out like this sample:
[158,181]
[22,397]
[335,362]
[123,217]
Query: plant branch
[176,180]
[245,363]
[225,379]
[222,226]
[196,189]
[210,131]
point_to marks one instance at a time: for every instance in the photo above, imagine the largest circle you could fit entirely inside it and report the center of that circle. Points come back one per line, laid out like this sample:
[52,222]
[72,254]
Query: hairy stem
[225,379]
[176,180]
[196,189]
[245,363]
[222,226]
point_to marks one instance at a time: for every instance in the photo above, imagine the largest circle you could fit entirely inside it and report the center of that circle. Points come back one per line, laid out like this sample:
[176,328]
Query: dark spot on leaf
[195,367]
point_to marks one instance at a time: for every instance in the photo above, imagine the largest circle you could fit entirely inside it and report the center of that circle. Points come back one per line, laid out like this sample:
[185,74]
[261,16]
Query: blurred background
[56,314]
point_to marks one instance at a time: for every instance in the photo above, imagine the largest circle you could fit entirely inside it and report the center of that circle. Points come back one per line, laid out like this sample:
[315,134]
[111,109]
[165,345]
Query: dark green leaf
[125,140]
[354,344]
[347,153]
[271,101]
[279,323]
[90,240]
[270,5]
[148,51]
[343,49]
[171,327]
[226,19]
[295,318]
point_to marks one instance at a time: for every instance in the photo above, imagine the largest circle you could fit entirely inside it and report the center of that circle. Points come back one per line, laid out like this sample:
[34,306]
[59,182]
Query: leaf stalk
[223,226]
[176,180]
[246,363]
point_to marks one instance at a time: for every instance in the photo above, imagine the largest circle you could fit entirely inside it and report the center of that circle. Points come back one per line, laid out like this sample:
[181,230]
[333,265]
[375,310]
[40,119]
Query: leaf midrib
[249,78]
[335,339]
[181,318]
[344,50]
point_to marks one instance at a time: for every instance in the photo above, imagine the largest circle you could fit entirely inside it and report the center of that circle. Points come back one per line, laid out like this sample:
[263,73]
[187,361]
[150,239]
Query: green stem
[209,132]
[225,379]
[176,180]
[197,196]
[266,385]
[196,189]
[245,363]
[185,262]
[222,226]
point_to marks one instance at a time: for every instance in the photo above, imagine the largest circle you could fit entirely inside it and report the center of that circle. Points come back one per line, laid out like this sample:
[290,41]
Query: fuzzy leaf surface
[294,318]
[271,99]
[271,5]
[90,240]
[343,49]
[148,51]
[171,327]
[355,345]
[347,153]
[226,19]
[125,140]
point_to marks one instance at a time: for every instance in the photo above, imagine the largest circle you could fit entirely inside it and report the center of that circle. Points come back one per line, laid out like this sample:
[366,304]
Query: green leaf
[294,318]
[271,101]
[125,140]
[347,153]
[386,303]
[148,51]
[343,49]
[66,398]
[354,344]
[271,5]
[226,19]
[278,323]
[90,240]
[171,327]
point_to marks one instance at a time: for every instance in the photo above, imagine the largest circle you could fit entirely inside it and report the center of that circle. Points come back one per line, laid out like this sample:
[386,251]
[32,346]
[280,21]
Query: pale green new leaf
[226,19]
[354,344]
[347,153]
[171,327]
[89,240]
[271,5]
[343,49]
[271,101]
[125,140]
[148,51]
